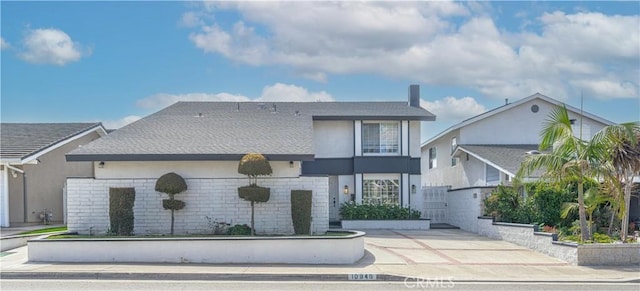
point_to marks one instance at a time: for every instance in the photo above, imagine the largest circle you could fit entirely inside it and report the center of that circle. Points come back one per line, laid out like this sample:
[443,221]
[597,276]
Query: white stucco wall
[88,205]
[333,139]
[443,174]
[415,139]
[463,208]
[517,125]
[186,169]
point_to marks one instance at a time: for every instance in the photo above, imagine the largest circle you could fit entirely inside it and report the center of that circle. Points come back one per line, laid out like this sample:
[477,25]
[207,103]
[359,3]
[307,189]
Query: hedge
[121,202]
[301,211]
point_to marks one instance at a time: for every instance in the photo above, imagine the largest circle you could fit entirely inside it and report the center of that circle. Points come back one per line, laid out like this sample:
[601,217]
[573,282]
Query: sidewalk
[392,256]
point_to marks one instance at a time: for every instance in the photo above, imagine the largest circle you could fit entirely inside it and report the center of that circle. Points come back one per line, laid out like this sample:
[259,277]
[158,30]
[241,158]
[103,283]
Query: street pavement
[417,256]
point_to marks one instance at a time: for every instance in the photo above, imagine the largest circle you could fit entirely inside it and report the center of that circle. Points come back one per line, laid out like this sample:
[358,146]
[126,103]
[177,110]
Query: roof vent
[297,113]
[533,152]
[275,109]
[199,114]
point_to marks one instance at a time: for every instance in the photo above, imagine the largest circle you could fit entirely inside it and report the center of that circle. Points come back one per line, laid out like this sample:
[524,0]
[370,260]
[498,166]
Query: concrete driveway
[449,247]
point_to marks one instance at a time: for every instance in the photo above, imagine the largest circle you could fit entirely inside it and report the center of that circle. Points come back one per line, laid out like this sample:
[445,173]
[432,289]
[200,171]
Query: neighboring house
[472,157]
[33,169]
[368,152]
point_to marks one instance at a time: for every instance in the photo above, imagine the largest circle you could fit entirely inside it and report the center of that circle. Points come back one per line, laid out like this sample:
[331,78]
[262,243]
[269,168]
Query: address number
[362,277]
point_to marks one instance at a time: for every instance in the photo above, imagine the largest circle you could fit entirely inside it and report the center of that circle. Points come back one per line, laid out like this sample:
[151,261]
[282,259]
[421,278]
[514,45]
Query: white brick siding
[88,205]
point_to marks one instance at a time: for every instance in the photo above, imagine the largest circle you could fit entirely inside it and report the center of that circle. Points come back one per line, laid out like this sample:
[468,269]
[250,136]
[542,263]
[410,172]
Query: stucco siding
[333,139]
[88,205]
[518,125]
[45,183]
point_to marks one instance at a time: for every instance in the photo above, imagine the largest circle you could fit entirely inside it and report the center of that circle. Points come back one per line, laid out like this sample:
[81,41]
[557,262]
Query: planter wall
[527,235]
[419,224]
[268,250]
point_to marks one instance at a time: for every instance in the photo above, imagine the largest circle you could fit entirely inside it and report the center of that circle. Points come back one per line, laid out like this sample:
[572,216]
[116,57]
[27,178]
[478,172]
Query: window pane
[380,137]
[381,191]
[371,138]
[493,174]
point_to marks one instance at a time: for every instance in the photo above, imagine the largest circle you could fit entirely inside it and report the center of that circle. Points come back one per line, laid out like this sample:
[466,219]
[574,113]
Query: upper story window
[492,175]
[380,138]
[432,158]
[454,143]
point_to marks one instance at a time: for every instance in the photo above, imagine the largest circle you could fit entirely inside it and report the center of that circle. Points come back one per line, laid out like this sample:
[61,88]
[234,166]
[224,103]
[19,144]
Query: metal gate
[435,203]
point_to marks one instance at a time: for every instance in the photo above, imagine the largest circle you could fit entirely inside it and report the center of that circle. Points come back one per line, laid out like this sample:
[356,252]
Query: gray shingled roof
[283,132]
[507,157]
[21,140]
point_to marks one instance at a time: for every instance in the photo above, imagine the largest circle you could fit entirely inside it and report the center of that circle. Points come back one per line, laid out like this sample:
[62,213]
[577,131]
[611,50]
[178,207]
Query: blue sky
[118,61]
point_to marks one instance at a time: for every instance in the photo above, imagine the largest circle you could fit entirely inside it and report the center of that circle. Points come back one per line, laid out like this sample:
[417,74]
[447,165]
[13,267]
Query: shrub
[171,184]
[602,238]
[254,165]
[239,229]
[254,193]
[353,211]
[121,218]
[507,205]
[547,200]
[301,211]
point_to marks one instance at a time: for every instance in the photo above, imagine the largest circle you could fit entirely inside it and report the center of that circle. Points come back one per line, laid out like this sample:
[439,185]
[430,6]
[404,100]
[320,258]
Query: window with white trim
[381,189]
[492,174]
[454,142]
[432,158]
[380,137]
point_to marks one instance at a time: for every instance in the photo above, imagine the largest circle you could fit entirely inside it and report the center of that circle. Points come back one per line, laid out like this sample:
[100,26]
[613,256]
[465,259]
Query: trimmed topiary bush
[353,211]
[301,211]
[121,218]
[171,184]
[254,165]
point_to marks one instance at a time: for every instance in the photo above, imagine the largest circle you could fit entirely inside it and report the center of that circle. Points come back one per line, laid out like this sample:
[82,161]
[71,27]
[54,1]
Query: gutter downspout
[5,198]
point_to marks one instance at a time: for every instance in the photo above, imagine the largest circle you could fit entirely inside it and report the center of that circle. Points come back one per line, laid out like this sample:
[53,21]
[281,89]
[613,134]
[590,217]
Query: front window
[380,138]
[493,175]
[432,158]
[381,191]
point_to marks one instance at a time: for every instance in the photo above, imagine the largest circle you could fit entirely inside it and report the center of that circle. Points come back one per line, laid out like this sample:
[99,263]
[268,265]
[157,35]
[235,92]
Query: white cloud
[453,109]
[435,43]
[4,44]
[51,46]
[115,124]
[277,92]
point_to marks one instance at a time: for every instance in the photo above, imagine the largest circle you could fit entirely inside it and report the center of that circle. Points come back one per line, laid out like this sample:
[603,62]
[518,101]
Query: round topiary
[254,165]
[171,184]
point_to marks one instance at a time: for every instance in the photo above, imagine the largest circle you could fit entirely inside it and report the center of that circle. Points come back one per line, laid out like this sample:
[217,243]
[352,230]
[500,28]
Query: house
[33,169]
[367,152]
[470,158]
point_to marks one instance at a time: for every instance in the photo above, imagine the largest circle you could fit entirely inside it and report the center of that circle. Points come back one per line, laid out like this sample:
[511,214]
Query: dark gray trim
[362,165]
[376,117]
[331,166]
[391,164]
[179,157]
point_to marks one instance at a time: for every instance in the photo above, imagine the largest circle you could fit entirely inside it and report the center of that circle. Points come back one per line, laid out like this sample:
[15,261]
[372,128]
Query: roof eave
[181,157]
[375,117]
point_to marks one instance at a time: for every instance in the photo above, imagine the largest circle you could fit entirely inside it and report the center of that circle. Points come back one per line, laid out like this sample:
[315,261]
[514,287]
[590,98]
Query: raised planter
[346,249]
[418,224]
[527,235]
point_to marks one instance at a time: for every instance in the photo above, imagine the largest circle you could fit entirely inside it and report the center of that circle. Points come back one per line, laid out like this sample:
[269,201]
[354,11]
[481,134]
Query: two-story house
[367,152]
[472,157]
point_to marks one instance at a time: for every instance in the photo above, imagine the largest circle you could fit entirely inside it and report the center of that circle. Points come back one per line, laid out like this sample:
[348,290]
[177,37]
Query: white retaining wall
[422,224]
[583,255]
[464,206]
[266,250]
[88,205]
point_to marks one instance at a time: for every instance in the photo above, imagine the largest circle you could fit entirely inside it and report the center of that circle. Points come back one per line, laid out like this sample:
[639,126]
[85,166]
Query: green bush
[239,229]
[301,211]
[353,211]
[507,205]
[547,200]
[254,193]
[121,218]
[171,184]
[172,204]
[602,238]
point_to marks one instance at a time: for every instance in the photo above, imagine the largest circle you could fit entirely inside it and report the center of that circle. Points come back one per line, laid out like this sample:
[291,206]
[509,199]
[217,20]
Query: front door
[334,199]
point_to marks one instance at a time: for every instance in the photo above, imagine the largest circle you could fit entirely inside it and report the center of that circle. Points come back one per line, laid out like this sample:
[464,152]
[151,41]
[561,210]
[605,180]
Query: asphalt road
[126,285]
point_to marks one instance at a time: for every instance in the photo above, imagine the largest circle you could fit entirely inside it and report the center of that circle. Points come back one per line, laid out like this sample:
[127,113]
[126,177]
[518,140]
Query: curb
[258,277]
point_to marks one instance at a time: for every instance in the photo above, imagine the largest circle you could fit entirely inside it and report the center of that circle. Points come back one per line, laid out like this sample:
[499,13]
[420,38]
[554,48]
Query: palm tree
[569,158]
[623,156]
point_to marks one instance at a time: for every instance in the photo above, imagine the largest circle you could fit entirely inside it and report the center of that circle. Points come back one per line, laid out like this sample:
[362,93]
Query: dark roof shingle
[21,140]
[227,130]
